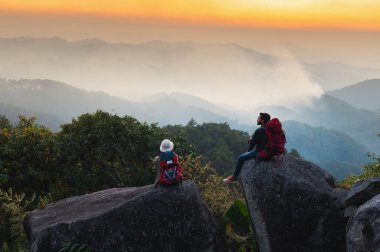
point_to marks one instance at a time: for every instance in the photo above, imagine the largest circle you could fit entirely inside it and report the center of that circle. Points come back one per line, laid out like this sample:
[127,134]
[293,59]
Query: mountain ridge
[363,95]
[174,66]
[329,112]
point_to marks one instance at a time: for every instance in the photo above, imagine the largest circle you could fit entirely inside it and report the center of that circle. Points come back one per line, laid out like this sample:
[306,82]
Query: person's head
[166,145]
[263,118]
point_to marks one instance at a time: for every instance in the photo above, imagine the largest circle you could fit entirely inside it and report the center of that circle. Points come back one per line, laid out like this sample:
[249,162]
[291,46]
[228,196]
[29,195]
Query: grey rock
[127,219]
[350,210]
[363,228]
[294,205]
[361,192]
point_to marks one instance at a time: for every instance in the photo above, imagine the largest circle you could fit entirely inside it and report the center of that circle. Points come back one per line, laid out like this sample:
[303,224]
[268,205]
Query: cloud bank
[221,73]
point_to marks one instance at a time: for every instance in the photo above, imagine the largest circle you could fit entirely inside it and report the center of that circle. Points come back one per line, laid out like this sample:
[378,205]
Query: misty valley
[329,132]
[86,118]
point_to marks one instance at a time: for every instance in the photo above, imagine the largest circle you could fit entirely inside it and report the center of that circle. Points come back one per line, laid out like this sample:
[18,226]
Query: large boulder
[127,219]
[361,192]
[294,205]
[363,228]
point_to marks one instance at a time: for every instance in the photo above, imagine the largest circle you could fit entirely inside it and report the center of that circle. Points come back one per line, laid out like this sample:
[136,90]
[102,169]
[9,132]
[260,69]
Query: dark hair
[265,117]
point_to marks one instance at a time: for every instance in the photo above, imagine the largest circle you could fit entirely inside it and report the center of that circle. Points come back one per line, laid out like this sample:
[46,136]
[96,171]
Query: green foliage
[294,152]
[370,170]
[218,196]
[217,142]
[178,135]
[238,214]
[239,228]
[101,150]
[3,179]
[5,123]
[13,208]
[44,200]
[74,247]
[214,192]
[27,157]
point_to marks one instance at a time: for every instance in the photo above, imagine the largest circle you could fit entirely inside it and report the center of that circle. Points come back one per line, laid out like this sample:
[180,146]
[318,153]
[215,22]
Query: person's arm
[257,137]
[252,141]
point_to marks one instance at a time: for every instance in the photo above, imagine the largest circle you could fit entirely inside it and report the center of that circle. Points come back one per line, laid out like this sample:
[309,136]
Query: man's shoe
[230,180]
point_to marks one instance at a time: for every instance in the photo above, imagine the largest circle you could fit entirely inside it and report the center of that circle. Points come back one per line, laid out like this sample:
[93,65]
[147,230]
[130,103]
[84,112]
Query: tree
[27,157]
[294,152]
[216,142]
[192,123]
[371,170]
[102,150]
[5,123]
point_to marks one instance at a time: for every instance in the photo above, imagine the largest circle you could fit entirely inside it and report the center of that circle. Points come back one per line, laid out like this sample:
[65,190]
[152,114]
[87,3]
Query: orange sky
[345,14]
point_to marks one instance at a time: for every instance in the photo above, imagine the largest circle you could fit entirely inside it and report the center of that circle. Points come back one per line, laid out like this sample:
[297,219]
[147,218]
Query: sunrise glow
[347,14]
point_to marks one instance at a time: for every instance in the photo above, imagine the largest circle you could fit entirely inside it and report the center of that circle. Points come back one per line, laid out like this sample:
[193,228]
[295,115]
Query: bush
[218,196]
[27,153]
[13,208]
[371,170]
[101,150]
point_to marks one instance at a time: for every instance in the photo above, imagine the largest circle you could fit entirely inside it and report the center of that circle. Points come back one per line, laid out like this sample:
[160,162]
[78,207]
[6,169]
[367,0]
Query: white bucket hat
[166,145]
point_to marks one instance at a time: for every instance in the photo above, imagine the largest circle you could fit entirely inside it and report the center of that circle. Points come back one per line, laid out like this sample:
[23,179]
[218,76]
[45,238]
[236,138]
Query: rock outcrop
[363,228]
[294,205]
[360,193]
[127,219]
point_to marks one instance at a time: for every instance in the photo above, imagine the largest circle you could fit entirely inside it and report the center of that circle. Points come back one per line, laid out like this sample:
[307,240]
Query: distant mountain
[57,98]
[236,119]
[12,113]
[54,103]
[333,113]
[281,112]
[66,102]
[364,95]
[127,69]
[335,151]
[335,75]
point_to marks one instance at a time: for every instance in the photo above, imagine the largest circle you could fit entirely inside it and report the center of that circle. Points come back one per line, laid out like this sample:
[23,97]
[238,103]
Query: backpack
[276,139]
[170,170]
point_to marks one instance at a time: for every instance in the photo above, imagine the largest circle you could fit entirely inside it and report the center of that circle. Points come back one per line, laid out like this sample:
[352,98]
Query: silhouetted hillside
[334,75]
[334,151]
[364,95]
[333,113]
[13,112]
[66,102]
[57,102]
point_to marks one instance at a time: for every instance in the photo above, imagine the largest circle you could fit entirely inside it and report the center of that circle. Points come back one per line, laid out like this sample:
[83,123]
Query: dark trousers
[241,159]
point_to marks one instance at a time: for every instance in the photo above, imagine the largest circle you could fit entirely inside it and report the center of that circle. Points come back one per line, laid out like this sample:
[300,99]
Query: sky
[312,31]
[348,14]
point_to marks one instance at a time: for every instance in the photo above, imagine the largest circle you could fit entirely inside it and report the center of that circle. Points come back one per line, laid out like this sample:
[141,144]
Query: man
[257,142]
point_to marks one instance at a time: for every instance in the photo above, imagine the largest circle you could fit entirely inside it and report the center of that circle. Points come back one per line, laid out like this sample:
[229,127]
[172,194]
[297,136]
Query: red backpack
[170,170]
[276,139]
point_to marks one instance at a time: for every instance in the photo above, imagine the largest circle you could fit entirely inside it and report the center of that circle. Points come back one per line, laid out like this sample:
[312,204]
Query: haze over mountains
[170,83]
[340,145]
[364,95]
[210,71]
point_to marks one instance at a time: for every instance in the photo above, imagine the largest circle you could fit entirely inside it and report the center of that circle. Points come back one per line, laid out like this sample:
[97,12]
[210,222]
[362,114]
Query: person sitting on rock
[257,142]
[169,171]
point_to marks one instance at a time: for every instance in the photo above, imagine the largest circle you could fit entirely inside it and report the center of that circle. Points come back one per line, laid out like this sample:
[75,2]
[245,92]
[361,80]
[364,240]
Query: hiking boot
[230,180]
